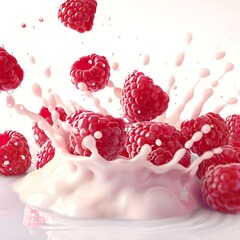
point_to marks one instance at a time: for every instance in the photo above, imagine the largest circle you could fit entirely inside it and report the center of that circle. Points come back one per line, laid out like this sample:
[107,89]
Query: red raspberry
[11,74]
[163,138]
[15,156]
[228,155]
[78,14]
[221,188]
[217,137]
[112,142]
[141,99]
[39,135]
[93,70]
[75,116]
[162,155]
[45,154]
[233,124]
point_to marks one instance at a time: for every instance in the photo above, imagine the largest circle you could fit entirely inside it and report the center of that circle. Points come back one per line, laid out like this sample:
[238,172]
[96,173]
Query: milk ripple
[202,224]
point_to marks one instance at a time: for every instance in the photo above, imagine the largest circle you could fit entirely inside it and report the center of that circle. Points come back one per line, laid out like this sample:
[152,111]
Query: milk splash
[92,187]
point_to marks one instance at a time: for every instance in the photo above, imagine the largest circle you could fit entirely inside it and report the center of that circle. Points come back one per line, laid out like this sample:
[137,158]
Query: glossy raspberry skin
[78,14]
[141,99]
[162,155]
[75,116]
[163,138]
[112,142]
[221,188]
[228,155]
[11,74]
[233,125]
[40,136]
[217,137]
[93,70]
[45,154]
[15,156]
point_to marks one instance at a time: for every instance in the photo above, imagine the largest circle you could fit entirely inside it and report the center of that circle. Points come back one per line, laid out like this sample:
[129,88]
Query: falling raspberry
[92,70]
[11,74]
[78,14]
[142,100]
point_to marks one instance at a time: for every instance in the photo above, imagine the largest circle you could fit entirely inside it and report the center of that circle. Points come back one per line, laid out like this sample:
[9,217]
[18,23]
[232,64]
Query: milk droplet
[217,150]
[114,66]
[189,38]
[206,128]
[98,135]
[10,101]
[204,72]
[146,59]
[179,59]
[118,92]
[229,67]
[32,60]
[220,55]
[52,102]
[48,72]
[37,90]
[158,142]
[82,86]
[215,83]
[195,138]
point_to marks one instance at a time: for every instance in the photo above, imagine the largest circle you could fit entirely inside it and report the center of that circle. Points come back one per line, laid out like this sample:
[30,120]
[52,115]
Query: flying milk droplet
[179,59]
[10,101]
[48,72]
[204,72]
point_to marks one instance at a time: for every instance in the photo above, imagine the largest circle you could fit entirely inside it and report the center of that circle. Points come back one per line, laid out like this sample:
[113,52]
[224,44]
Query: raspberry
[163,138]
[233,124]
[141,99]
[228,155]
[75,116]
[109,145]
[78,14]
[45,154]
[221,188]
[92,70]
[217,137]
[39,135]
[11,74]
[15,156]
[162,155]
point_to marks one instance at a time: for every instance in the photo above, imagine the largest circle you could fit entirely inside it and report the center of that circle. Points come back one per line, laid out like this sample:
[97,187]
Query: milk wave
[92,187]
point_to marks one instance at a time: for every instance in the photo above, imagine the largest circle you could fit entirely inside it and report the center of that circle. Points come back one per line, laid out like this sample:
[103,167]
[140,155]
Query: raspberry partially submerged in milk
[165,140]
[108,131]
[221,188]
[40,136]
[233,124]
[228,154]
[45,154]
[217,136]
[11,74]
